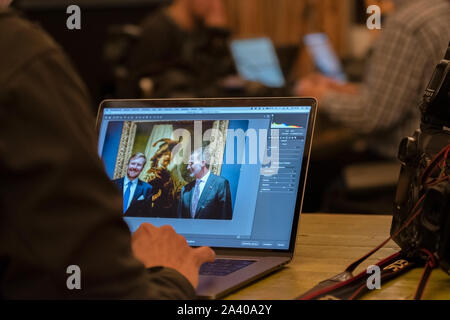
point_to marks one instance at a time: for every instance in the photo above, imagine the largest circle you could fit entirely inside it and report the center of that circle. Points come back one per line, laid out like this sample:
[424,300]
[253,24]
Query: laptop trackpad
[223,267]
[228,273]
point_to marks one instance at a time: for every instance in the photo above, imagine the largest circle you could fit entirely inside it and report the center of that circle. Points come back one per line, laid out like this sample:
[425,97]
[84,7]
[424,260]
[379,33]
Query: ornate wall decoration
[125,149]
[217,145]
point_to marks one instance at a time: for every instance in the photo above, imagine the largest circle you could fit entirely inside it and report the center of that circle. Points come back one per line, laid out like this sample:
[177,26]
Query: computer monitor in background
[256,60]
[324,56]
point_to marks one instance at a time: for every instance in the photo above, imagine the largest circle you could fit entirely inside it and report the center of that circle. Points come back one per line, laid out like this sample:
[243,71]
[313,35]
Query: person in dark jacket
[137,194]
[208,196]
[183,50]
[57,206]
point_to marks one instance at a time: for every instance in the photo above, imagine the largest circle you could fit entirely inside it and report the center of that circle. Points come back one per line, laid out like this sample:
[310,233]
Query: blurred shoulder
[419,14]
[145,184]
[218,179]
[426,23]
[22,41]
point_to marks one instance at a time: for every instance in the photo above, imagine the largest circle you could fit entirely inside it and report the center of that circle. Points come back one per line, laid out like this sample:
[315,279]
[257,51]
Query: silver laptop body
[255,232]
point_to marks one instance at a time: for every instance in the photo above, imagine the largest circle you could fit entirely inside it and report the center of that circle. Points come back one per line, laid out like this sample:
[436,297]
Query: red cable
[429,266]
[355,264]
[322,291]
[431,263]
[444,152]
[426,173]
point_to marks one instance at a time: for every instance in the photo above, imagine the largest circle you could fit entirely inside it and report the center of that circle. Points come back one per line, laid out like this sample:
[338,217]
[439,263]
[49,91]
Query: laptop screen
[256,60]
[221,176]
[324,56]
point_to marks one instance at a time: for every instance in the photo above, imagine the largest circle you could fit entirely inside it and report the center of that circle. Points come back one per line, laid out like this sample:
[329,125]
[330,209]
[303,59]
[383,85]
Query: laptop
[324,56]
[256,153]
[256,60]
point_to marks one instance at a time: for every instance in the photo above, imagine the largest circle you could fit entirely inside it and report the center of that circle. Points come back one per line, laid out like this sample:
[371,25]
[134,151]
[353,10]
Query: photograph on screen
[163,173]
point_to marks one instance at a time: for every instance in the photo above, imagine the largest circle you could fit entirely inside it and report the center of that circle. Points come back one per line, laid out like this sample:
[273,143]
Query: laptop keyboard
[223,267]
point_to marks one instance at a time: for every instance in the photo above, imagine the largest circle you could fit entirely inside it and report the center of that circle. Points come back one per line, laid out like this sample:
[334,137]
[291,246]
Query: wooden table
[326,245]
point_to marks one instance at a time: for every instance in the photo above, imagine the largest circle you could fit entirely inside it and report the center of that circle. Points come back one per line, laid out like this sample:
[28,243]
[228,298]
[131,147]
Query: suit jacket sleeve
[225,200]
[180,205]
[57,206]
[148,194]
[146,206]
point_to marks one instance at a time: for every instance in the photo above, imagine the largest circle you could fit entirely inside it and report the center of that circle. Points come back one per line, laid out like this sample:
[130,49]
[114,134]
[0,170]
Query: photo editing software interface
[221,176]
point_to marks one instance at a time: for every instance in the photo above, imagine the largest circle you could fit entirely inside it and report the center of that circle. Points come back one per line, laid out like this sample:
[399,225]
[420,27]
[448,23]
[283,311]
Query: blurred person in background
[382,109]
[57,205]
[183,50]
[384,106]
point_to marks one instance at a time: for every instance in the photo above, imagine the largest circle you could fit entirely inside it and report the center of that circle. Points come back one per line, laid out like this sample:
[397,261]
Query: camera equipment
[421,221]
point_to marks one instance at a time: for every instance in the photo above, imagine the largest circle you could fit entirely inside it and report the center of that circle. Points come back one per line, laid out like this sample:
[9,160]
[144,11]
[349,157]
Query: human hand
[233,82]
[314,85]
[162,246]
[317,85]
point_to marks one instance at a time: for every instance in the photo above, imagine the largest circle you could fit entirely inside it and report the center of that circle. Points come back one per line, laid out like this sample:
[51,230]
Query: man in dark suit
[137,194]
[208,197]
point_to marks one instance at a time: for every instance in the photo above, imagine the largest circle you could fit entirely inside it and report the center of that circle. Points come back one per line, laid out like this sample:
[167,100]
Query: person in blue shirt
[137,194]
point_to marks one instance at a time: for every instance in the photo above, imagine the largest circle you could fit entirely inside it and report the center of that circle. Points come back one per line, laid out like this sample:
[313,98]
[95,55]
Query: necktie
[195,198]
[126,197]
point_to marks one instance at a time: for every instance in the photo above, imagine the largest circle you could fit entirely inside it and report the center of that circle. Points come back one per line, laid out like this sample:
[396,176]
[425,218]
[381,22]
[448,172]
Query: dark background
[85,46]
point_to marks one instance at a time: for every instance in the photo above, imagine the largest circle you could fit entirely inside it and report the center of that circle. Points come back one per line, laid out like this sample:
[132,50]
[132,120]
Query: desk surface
[326,245]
